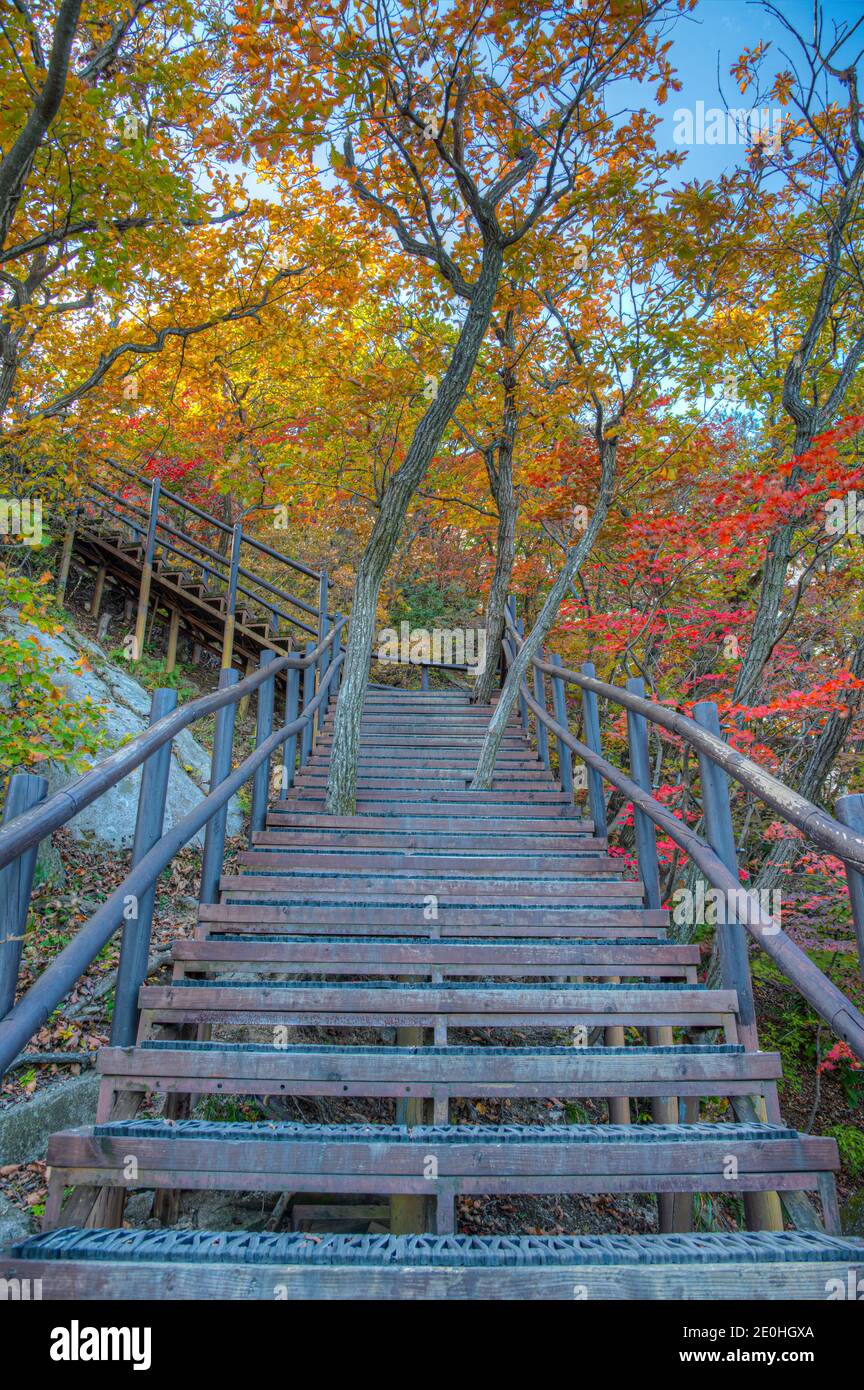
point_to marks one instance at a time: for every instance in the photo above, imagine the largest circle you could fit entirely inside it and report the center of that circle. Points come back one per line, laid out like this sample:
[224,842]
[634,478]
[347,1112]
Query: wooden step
[437,783]
[455,777]
[440,1162]
[382,1004]
[432,811]
[433,823]
[517,802]
[142,1265]
[194,586]
[406,889]
[458,762]
[471,849]
[402,700]
[310,839]
[398,957]
[454,920]
[567,866]
[439,1073]
[426,740]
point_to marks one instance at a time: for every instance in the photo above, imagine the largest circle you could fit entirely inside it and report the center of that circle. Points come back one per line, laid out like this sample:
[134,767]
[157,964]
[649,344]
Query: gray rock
[26,1127]
[226,1211]
[49,865]
[852,1215]
[125,710]
[14,1223]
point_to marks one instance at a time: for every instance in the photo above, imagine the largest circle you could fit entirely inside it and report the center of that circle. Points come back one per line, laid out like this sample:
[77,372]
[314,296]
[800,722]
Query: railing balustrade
[714,858]
[152,850]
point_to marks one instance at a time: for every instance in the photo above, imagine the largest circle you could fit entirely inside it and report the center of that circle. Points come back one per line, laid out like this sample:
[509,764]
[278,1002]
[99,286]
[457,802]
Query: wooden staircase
[177,563]
[403,935]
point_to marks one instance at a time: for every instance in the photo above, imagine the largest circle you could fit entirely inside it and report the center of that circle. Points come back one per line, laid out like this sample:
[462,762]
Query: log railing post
[173,633]
[619,1106]
[559,705]
[640,771]
[540,697]
[146,573]
[523,705]
[323,629]
[25,791]
[289,747]
[308,695]
[762,1209]
[220,767]
[138,924]
[263,730]
[98,589]
[731,935]
[231,599]
[664,1110]
[850,810]
[66,556]
[334,652]
[591,721]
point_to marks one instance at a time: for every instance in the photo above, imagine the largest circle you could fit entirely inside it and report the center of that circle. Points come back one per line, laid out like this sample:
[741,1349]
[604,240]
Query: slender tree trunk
[521,663]
[342,781]
[504,556]
[768,621]
[501,481]
[8,366]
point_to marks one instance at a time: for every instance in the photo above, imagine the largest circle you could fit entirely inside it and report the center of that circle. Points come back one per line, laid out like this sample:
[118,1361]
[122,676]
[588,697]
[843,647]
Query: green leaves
[40,723]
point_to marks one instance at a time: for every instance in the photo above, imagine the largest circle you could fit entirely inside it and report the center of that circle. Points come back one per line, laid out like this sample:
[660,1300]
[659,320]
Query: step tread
[265,1247]
[671,950]
[290,1132]
[446,986]
[445,1053]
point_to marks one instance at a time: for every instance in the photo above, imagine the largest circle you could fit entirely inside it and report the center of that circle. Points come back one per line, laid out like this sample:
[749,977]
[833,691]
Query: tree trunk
[767,622]
[18,161]
[8,366]
[501,480]
[521,663]
[504,557]
[342,781]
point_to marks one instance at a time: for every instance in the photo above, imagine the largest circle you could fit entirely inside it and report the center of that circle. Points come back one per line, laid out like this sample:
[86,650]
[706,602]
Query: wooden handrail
[144,480]
[58,978]
[826,832]
[27,830]
[219,562]
[841,1015]
[150,750]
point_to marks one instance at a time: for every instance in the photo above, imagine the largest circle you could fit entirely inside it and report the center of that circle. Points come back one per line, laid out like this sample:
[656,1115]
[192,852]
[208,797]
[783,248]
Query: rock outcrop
[124,707]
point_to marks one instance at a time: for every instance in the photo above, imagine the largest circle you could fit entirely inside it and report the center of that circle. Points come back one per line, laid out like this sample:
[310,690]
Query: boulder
[26,1126]
[125,712]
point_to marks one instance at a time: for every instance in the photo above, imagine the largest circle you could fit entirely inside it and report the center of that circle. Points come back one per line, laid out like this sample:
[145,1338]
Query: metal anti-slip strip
[288,1248]
[338,1050]
[282,1131]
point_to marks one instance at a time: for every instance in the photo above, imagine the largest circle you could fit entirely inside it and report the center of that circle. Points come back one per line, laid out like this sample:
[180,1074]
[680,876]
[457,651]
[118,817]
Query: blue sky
[714,36]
